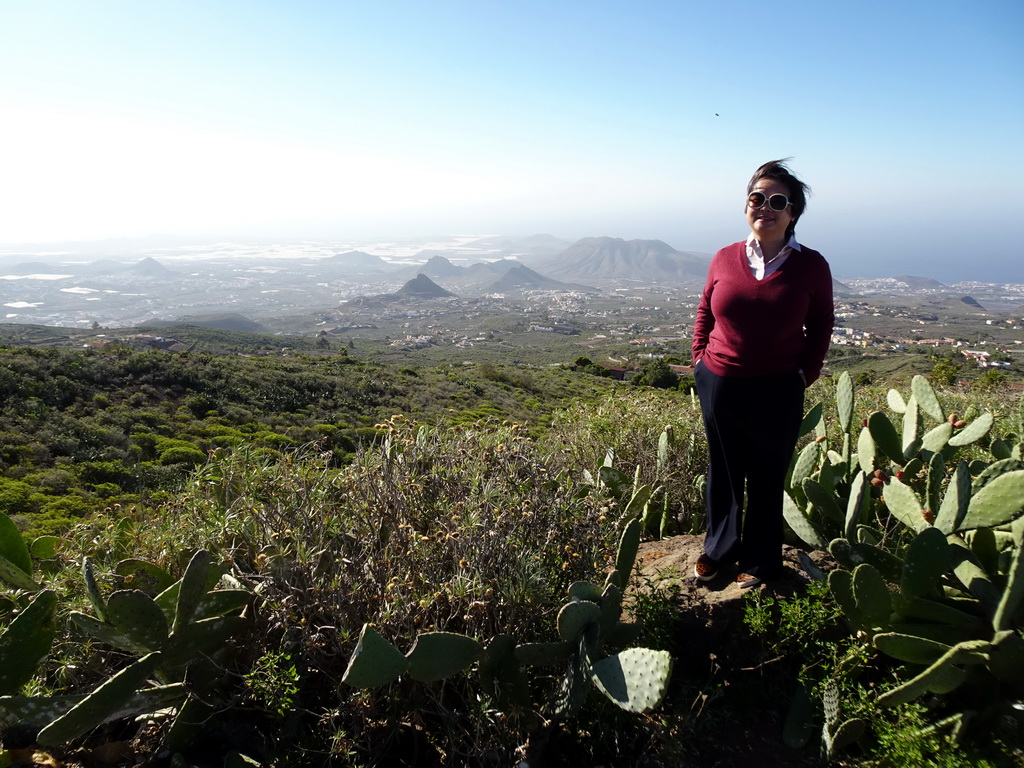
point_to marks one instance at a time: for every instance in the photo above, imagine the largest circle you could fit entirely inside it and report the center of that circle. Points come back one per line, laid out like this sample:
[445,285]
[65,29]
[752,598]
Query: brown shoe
[746,580]
[705,569]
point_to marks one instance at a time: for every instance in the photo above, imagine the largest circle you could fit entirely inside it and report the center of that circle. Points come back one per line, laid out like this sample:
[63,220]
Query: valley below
[533,300]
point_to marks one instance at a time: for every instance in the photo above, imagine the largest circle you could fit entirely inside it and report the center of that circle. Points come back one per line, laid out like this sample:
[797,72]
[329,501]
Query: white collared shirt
[755,258]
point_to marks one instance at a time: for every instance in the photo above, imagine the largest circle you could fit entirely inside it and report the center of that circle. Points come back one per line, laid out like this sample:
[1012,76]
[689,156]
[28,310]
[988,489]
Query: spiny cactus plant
[15,559]
[836,493]
[187,623]
[635,679]
[26,641]
[932,578]
[186,620]
[928,537]
[650,502]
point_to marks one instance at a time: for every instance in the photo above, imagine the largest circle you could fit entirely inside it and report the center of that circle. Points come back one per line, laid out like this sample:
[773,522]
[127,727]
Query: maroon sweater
[749,327]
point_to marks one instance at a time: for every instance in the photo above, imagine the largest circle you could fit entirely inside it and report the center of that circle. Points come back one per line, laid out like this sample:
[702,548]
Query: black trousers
[751,426]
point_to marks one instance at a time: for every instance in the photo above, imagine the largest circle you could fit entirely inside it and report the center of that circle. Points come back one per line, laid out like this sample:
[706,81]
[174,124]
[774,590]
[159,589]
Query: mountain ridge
[603,259]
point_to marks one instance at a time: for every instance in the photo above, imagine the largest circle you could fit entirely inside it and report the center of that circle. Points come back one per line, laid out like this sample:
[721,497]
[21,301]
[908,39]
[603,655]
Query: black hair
[776,170]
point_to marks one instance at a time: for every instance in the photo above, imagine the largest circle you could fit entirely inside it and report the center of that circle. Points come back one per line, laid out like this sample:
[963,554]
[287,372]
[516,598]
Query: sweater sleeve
[704,320]
[818,324]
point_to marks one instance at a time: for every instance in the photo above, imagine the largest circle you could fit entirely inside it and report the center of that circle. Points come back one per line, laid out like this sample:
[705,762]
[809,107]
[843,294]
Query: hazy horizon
[398,250]
[359,122]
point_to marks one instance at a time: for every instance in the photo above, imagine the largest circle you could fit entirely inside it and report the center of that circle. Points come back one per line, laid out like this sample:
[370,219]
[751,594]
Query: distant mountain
[438,267]
[841,289]
[358,260]
[501,276]
[919,283]
[486,270]
[422,287]
[595,259]
[150,267]
[522,278]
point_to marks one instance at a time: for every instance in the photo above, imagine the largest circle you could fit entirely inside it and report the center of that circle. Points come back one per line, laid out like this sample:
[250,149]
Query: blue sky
[368,120]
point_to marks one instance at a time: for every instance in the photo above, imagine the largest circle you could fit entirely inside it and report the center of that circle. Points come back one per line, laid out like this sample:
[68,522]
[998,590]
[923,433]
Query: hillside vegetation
[82,430]
[293,559]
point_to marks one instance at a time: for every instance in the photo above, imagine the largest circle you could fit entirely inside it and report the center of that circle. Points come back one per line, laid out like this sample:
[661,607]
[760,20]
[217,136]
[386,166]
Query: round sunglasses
[777,202]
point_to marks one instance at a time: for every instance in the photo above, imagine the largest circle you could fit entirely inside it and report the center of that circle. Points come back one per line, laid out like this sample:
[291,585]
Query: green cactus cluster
[650,503]
[15,557]
[171,626]
[928,537]
[27,639]
[635,679]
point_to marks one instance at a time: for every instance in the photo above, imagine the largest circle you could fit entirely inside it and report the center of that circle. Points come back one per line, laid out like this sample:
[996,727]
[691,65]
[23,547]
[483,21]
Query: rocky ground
[721,653]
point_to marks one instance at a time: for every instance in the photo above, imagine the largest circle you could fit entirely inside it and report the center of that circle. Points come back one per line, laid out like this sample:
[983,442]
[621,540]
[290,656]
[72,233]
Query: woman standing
[762,329]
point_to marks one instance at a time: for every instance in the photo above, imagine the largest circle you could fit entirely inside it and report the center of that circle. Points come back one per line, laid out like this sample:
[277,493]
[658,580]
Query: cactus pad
[575,617]
[885,436]
[438,655]
[904,505]
[998,503]
[926,399]
[193,586]
[501,676]
[1012,595]
[222,602]
[915,650]
[201,638]
[974,431]
[584,590]
[13,546]
[943,676]
[844,401]
[26,641]
[926,559]
[625,557]
[39,711]
[543,654]
[800,525]
[95,708]
[866,450]
[138,617]
[143,575]
[105,632]
[92,590]
[911,428]
[895,401]
[374,662]
[635,679]
[936,438]
[871,595]
[15,576]
[824,500]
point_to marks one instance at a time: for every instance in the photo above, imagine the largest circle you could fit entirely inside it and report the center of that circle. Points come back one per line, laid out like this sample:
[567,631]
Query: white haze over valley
[88,284]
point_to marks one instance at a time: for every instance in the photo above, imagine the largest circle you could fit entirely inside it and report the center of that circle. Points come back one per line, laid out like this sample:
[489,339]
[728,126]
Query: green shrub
[182,454]
[15,497]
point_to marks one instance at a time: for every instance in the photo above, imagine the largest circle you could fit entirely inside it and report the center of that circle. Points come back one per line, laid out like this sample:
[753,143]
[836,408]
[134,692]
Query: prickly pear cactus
[635,679]
[15,560]
[438,655]
[26,641]
[184,624]
[374,662]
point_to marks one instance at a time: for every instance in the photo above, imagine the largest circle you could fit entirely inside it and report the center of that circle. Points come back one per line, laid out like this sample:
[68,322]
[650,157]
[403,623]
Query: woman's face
[766,224]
